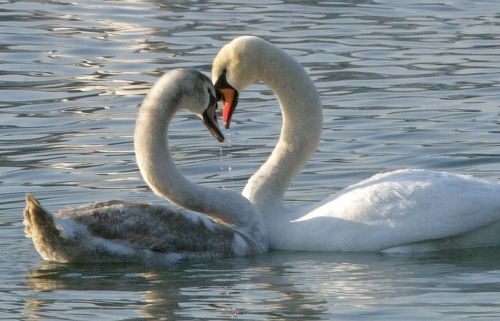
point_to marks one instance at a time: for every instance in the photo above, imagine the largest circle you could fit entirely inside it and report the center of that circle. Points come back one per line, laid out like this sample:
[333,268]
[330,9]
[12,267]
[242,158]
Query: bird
[407,210]
[208,222]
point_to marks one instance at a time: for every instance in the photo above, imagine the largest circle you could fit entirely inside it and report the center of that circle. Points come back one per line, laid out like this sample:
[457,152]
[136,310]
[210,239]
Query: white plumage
[406,210]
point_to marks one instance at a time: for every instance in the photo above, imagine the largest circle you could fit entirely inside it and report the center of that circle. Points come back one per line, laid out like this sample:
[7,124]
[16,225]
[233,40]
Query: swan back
[120,231]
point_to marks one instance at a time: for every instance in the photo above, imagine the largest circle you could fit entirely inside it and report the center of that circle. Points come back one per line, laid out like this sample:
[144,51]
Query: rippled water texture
[403,85]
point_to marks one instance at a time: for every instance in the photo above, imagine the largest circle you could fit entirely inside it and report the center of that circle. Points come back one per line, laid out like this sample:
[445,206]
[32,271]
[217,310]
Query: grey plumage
[124,231]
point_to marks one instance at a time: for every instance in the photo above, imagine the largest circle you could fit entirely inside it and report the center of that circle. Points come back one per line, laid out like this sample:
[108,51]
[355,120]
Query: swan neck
[301,128]
[162,175]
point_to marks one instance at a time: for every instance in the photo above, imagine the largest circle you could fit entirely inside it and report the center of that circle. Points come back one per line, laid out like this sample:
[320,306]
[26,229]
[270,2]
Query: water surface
[404,85]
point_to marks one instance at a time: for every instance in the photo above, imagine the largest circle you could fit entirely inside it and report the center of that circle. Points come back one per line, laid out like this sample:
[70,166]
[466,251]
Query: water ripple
[411,84]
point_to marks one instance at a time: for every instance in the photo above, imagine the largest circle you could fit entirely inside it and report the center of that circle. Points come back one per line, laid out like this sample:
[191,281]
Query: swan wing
[151,227]
[124,231]
[398,208]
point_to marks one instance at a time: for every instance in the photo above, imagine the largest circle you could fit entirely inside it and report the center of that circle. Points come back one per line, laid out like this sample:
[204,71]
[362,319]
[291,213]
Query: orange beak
[229,97]
[229,101]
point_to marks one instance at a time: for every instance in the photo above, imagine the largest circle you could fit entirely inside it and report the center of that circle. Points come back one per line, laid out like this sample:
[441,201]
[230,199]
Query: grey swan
[215,222]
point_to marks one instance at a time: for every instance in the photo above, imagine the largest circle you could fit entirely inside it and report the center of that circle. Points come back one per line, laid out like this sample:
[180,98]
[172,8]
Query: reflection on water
[213,291]
[279,286]
[411,84]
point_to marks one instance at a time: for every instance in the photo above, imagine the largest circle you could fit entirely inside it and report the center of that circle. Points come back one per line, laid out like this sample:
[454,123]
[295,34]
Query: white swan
[407,210]
[125,231]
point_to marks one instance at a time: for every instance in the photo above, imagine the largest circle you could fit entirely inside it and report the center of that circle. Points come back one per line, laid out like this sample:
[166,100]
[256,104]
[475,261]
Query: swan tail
[35,217]
[40,226]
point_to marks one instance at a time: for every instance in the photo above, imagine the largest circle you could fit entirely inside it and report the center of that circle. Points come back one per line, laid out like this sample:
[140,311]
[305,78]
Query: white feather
[418,209]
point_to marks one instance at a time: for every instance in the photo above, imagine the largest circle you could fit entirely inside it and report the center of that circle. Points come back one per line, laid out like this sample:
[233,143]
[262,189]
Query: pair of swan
[406,210]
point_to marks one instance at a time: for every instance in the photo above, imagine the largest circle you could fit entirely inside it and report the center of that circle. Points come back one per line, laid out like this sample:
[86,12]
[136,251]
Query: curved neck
[163,176]
[300,132]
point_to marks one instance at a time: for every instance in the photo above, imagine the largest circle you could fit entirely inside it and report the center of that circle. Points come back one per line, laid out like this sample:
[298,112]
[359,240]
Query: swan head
[198,96]
[235,67]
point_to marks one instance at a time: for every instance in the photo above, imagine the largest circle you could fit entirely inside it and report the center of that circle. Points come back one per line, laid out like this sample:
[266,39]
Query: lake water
[405,84]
